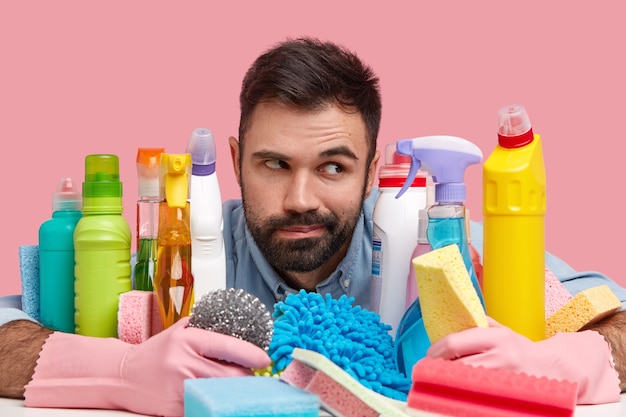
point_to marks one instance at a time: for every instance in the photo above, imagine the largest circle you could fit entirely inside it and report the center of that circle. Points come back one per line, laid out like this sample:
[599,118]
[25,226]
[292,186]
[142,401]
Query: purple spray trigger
[405,147]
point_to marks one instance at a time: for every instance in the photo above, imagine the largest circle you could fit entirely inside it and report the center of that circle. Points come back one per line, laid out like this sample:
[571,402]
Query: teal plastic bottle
[102,242]
[56,258]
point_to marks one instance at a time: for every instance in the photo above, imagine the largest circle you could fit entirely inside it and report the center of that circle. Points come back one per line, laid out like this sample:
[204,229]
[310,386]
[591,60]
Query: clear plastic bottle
[173,279]
[56,258]
[395,233]
[514,206]
[102,241]
[148,161]
[206,221]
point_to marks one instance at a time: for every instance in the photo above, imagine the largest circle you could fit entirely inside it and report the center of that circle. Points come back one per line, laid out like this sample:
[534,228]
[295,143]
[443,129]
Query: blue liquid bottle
[447,158]
[56,258]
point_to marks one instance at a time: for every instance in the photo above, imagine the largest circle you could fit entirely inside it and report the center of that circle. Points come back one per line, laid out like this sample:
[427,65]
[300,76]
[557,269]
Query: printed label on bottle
[377,256]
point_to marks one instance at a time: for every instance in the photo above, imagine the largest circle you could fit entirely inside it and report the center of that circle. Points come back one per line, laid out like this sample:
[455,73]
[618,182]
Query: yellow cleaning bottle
[173,279]
[514,206]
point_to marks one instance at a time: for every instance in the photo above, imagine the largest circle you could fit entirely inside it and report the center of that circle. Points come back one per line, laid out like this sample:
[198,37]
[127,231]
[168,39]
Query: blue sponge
[247,396]
[29,275]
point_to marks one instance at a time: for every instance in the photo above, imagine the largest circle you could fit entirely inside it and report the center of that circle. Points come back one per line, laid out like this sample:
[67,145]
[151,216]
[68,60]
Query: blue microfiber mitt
[353,338]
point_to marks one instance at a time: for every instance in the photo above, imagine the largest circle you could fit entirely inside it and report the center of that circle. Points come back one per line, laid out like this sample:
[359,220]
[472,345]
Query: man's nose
[302,193]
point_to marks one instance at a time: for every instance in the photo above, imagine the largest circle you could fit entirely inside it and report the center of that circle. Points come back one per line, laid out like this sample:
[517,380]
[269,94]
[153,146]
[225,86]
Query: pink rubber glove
[88,372]
[580,357]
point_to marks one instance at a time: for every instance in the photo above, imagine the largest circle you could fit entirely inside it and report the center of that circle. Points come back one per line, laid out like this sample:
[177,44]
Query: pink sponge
[135,316]
[556,294]
[339,392]
[334,398]
[455,389]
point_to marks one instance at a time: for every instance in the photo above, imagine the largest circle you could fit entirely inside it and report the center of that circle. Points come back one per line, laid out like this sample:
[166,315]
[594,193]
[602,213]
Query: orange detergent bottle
[173,279]
[514,206]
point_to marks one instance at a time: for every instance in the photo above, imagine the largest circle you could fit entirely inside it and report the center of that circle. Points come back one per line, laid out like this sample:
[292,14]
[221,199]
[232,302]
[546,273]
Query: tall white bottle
[208,265]
[395,234]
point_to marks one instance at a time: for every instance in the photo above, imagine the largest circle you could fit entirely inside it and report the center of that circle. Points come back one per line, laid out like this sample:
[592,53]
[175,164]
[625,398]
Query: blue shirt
[247,269]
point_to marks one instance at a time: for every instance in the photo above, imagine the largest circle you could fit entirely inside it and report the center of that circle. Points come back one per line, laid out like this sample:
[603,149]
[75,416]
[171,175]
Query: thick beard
[301,255]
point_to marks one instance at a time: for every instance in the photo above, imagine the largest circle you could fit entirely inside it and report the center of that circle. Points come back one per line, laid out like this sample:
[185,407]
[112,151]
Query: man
[305,161]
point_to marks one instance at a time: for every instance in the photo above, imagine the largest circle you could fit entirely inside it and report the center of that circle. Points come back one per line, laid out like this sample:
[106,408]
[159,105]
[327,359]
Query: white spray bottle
[206,222]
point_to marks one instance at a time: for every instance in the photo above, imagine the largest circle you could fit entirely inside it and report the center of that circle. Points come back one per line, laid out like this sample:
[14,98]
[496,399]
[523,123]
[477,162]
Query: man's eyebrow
[340,150]
[269,155]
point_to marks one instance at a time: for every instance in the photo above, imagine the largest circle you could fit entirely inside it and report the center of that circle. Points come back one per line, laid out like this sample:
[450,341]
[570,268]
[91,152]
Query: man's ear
[371,173]
[234,154]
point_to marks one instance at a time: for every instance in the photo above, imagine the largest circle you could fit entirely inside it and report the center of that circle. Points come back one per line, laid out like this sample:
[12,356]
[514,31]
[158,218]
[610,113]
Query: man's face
[303,181]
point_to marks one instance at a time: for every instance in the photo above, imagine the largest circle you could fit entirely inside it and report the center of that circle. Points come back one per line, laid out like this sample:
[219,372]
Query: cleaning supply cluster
[86,281]
[325,351]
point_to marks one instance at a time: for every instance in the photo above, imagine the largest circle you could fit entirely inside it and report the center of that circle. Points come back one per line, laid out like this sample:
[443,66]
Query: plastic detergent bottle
[102,241]
[447,157]
[148,161]
[173,279]
[421,248]
[208,264]
[395,234]
[514,206]
[56,258]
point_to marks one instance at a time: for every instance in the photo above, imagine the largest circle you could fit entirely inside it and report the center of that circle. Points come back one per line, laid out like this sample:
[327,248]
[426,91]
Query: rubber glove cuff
[89,372]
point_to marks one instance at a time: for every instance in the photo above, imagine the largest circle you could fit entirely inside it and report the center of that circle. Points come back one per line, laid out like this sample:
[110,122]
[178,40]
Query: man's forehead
[276,122]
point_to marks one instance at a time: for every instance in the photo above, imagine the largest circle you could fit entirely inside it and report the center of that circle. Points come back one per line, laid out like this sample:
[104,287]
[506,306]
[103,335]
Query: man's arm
[20,344]
[613,328]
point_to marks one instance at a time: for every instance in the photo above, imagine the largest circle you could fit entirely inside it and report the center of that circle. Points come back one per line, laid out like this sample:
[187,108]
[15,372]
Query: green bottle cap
[102,189]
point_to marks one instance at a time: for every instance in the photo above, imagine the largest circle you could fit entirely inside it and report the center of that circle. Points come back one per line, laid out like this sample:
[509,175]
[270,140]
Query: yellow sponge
[448,299]
[588,306]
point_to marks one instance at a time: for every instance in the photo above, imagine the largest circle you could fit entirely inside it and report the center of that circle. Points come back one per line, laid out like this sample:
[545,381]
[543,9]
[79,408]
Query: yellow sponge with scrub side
[448,300]
[587,307]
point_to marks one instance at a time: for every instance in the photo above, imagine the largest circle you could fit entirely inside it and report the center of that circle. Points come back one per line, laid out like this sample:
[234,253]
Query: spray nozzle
[201,146]
[175,178]
[446,156]
[148,161]
[514,128]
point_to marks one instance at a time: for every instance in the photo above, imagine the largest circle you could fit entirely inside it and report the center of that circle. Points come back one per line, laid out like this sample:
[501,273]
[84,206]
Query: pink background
[108,77]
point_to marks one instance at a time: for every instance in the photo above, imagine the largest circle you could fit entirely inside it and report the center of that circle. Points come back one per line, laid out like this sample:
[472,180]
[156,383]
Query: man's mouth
[301,232]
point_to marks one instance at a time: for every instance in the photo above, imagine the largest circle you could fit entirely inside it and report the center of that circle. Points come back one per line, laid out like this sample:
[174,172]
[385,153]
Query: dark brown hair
[310,74]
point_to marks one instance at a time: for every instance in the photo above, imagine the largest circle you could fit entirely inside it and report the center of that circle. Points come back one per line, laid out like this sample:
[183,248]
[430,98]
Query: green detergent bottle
[102,242]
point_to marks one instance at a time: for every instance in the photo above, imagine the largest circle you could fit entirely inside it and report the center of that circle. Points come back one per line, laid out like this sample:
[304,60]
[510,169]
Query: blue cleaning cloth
[29,275]
[353,338]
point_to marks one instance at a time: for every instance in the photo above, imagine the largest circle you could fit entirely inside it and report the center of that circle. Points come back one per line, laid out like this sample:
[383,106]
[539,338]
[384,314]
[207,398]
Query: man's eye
[275,164]
[332,169]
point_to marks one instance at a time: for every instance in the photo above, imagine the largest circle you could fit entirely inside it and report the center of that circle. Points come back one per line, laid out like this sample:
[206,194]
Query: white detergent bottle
[395,233]
[206,222]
